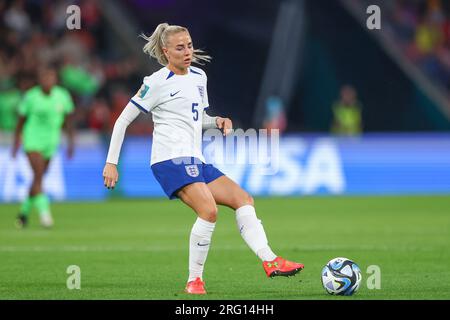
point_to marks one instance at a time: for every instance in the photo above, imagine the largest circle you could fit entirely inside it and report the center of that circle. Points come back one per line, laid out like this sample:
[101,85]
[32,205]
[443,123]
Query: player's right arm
[144,100]
[23,111]
[110,173]
[17,135]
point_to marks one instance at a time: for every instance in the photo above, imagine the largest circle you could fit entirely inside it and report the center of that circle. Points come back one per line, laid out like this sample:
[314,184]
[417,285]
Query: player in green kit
[44,110]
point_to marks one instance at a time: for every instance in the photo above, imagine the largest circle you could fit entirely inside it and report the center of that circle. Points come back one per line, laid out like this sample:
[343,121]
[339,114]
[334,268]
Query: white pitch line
[102,248]
[242,247]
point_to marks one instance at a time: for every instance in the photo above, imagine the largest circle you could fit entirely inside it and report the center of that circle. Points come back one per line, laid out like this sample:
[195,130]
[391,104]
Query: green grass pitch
[138,249]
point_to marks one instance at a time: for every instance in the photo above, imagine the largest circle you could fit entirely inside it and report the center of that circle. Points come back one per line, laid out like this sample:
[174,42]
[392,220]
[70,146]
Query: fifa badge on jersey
[143,90]
[201,91]
[192,170]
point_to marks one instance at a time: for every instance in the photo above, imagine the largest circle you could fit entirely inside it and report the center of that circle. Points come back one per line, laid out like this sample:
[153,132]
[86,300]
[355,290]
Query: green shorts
[47,150]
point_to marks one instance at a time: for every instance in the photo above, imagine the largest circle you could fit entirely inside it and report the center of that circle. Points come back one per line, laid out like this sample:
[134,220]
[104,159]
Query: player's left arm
[208,122]
[69,122]
[224,124]
[70,132]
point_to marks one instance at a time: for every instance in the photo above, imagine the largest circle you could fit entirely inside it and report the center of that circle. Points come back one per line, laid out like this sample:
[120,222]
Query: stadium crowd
[424,30]
[421,28]
[101,79]
[33,33]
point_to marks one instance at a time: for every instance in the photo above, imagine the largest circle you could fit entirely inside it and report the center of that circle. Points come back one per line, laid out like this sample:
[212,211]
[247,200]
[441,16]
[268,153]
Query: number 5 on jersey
[195,111]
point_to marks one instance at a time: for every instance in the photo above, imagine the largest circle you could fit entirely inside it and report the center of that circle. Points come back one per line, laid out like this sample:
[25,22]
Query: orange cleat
[281,267]
[196,286]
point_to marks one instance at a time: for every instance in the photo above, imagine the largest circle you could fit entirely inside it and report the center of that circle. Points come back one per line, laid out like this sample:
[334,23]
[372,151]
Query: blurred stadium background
[290,65]
[361,112]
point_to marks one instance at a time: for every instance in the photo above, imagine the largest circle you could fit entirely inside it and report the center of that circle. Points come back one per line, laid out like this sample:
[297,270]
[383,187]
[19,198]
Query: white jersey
[176,103]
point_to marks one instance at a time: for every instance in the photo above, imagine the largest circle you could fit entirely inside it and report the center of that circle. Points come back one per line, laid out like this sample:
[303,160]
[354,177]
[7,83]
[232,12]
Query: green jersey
[45,114]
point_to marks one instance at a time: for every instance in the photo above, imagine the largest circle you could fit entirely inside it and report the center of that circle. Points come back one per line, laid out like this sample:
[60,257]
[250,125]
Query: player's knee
[249,200]
[245,199]
[242,199]
[209,213]
[38,174]
[37,180]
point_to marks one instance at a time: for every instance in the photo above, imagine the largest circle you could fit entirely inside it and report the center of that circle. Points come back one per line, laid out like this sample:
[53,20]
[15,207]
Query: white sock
[46,219]
[253,233]
[199,243]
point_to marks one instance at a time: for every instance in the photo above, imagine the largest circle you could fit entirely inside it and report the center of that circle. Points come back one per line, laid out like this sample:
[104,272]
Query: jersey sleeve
[146,98]
[25,104]
[128,115]
[205,94]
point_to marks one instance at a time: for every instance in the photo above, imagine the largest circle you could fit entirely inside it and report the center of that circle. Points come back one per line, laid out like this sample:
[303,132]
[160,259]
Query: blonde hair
[158,40]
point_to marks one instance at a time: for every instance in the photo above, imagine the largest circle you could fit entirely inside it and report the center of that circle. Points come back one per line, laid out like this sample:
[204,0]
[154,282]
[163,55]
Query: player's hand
[110,175]
[70,150]
[15,149]
[225,125]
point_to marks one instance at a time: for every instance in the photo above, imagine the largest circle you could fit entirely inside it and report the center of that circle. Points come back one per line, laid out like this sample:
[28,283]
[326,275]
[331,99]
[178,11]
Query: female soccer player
[44,109]
[177,98]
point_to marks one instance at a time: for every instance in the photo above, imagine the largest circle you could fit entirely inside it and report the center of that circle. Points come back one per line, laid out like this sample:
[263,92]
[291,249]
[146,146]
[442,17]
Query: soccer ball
[341,276]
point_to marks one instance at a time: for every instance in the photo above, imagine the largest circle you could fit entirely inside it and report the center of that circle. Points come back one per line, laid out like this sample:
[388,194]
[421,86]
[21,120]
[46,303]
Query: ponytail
[158,40]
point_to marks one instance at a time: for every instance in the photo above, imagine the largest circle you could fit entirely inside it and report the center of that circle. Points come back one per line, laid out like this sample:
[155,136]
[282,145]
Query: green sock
[27,205]
[42,203]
